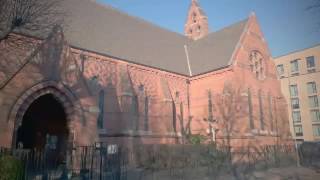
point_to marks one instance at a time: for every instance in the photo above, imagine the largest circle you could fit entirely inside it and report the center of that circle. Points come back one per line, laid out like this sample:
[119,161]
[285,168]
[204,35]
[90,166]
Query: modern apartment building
[299,73]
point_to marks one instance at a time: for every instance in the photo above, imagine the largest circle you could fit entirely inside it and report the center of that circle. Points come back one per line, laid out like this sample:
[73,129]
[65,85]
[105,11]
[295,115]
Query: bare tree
[230,106]
[231,109]
[30,15]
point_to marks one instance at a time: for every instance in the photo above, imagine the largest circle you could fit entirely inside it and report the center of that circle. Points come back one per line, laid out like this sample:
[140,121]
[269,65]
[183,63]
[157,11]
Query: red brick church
[108,76]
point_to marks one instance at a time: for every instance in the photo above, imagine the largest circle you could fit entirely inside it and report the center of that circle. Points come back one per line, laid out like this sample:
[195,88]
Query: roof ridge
[238,44]
[297,51]
[109,7]
[216,49]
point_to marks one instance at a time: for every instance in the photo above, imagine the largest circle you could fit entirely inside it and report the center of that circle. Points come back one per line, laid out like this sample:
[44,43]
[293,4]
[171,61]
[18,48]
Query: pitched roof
[102,29]
[215,50]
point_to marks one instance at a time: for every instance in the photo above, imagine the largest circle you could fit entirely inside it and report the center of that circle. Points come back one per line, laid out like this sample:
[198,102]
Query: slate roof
[215,50]
[102,29]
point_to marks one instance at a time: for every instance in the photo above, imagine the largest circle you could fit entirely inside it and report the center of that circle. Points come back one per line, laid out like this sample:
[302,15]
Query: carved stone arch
[262,52]
[57,90]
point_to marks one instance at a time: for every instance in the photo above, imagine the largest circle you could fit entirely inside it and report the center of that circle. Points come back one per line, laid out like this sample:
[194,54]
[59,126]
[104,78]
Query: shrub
[196,139]
[10,168]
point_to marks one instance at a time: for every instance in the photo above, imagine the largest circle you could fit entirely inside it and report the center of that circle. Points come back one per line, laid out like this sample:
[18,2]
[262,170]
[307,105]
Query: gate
[100,161]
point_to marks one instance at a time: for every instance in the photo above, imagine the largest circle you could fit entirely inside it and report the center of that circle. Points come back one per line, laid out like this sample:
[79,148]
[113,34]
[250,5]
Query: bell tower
[196,26]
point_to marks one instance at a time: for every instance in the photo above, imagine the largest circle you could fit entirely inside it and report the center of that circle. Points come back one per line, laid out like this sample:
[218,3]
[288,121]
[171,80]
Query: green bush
[10,168]
[196,139]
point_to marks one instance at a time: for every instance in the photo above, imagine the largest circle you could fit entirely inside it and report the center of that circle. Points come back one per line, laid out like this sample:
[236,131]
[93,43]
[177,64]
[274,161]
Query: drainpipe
[188,60]
[188,85]
[188,101]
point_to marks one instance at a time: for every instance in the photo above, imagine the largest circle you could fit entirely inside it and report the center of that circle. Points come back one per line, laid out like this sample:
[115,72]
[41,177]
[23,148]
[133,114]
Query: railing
[86,162]
[150,162]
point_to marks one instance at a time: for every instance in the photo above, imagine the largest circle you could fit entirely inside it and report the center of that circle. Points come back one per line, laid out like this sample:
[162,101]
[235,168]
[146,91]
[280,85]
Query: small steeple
[196,26]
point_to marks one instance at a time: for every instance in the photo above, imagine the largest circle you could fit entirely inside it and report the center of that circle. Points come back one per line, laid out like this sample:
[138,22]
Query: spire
[196,26]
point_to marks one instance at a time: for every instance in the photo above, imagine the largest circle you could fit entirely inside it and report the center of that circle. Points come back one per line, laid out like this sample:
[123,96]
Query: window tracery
[257,64]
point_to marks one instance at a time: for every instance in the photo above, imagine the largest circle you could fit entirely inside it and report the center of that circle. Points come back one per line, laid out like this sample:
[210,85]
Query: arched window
[194,17]
[260,94]
[100,121]
[135,112]
[251,122]
[198,29]
[270,111]
[83,59]
[257,64]
[210,107]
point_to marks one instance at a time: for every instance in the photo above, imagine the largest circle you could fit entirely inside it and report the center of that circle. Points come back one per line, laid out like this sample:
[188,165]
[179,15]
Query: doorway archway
[44,125]
[58,91]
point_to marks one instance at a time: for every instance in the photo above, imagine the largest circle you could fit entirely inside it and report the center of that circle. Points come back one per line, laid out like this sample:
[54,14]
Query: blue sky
[286,24]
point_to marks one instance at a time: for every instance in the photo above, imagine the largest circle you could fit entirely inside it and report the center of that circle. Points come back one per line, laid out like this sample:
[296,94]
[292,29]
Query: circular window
[257,64]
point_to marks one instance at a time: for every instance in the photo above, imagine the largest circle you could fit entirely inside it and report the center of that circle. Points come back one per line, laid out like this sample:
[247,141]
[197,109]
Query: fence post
[297,152]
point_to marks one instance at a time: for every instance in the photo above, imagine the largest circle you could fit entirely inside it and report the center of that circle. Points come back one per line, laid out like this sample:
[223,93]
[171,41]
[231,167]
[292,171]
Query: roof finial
[252,13]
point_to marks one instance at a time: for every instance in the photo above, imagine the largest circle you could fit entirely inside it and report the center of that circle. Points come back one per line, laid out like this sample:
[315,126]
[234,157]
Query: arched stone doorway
[47,108]
[44,125]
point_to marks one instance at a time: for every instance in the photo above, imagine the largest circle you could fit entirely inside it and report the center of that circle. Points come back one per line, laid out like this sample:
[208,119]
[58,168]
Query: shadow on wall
[125,112]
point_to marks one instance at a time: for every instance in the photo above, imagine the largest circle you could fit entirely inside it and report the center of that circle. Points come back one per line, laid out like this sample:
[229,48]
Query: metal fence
[148,162]
[184,162]
[100,161]
[83,162]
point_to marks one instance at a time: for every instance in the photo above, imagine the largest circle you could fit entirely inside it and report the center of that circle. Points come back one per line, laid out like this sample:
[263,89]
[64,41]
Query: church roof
[215,50]
[99,28]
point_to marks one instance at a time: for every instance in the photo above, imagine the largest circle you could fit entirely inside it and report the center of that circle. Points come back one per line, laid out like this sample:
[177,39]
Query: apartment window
[280,70]
[310,62]
[313,101]
[315,115]
[295,103]
[316,130]
[298,130]
[293,90]
[296,116]
[312,88]
[294,66]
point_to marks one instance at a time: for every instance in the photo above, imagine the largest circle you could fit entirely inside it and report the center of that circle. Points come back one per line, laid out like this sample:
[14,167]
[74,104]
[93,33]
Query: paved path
[288,173]
[284,173]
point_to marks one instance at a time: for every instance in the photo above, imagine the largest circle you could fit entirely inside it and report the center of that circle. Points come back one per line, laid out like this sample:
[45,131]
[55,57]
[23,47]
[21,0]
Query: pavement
[283,173]
[286,173]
